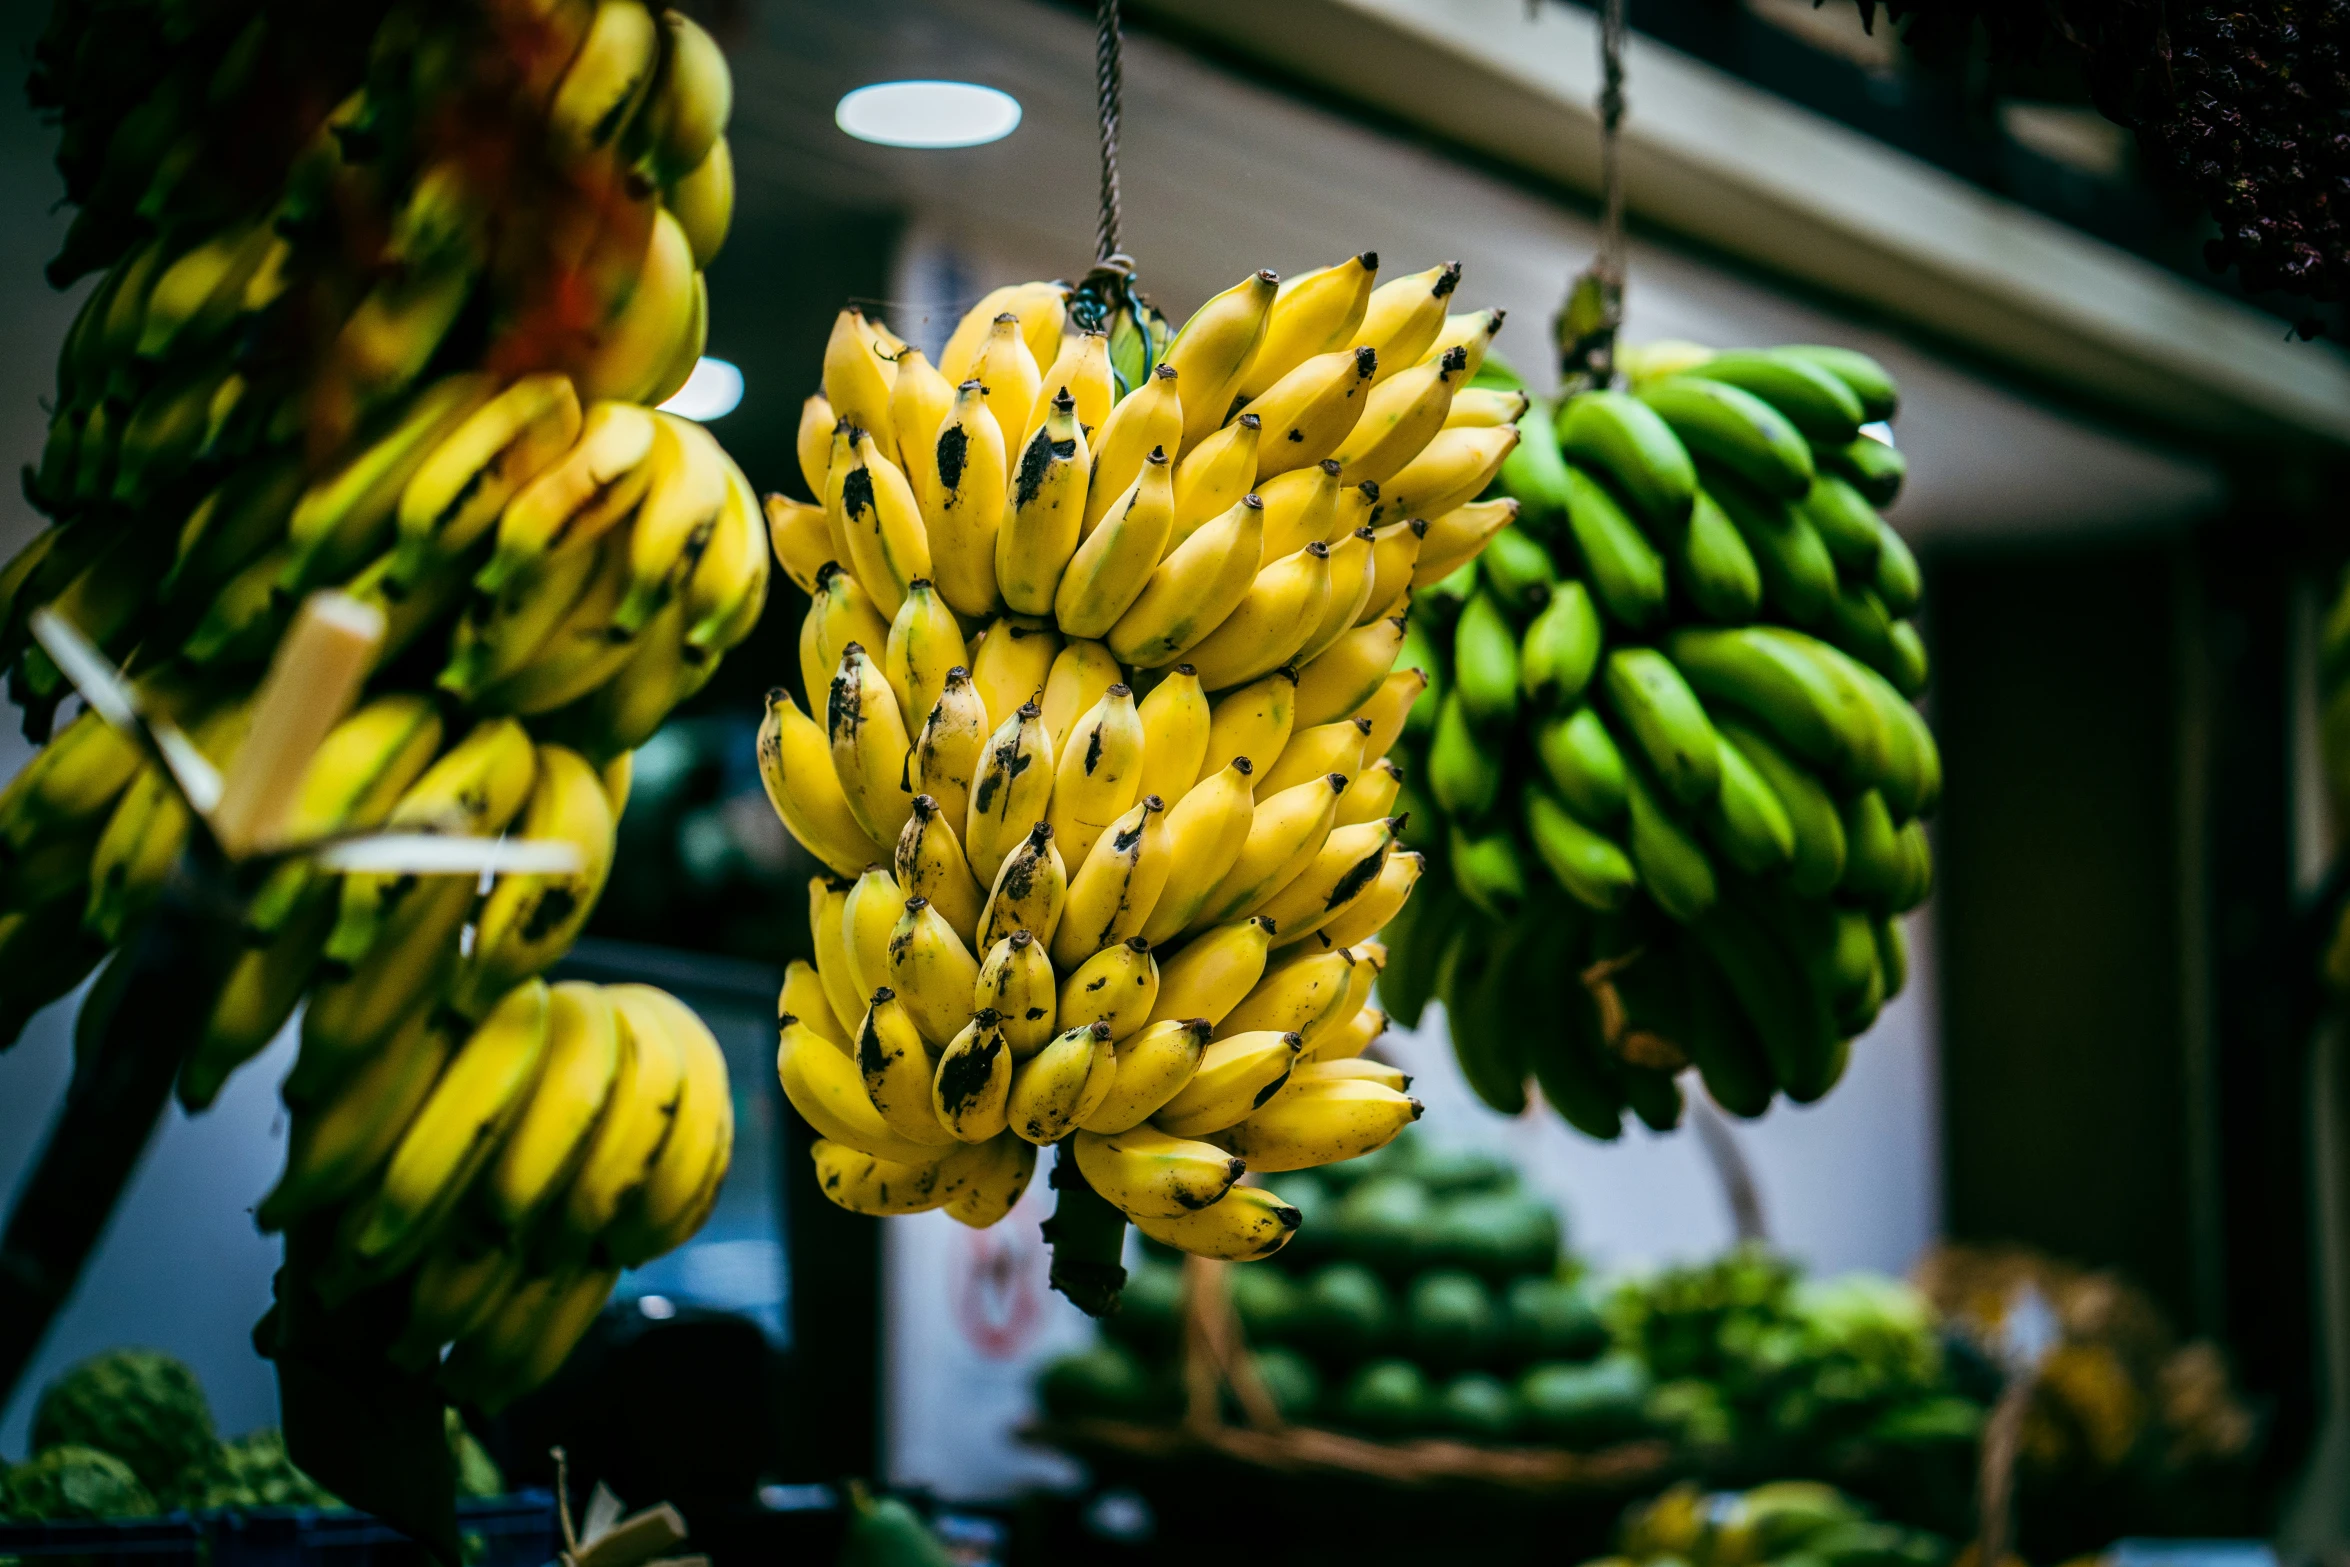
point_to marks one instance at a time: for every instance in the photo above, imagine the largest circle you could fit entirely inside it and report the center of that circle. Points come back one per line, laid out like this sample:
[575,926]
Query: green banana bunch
[1665,763]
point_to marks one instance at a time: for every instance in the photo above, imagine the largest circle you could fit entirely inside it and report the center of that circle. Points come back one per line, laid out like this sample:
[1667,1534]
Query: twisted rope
[1107,82]
[1586,327]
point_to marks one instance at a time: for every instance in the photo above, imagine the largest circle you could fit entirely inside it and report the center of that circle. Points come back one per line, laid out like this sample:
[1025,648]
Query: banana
[1369,914]
[1582,762]
[680,1185]
[1286,831]
[995,1180]
[1395,556]
[864,1183]
[1037,307]
[1144,1171]
[828,1090]
[1316,753]
[1305,993]
[1176,725]
[342,518]
[920,400]
[947,752]
[1283,607]
[1299,508]
[1118,886]
[1312,313]
[881,525]
[142,840]
[1590,866]
[1311,409]
[1451,470]
[1007,370]
[858,382]
[1013,663]
[841,612]
[1010,793]
[1399,418]
[1213,353]
[1214,474]
[1044,522]
[1213,972]
[1629,441]
[457,1132]
[897,1069]
[1193,590]
[1016,983]
[1735,429]
[555,1128]
[1350,1040]
[1482,407]
[1373,793]
[1312,1073]
[460,1284]
[1029,892]
[1062,1083]
[528,922]
[725,589]
[795,765]
[1351,579]
[1150,419]
[1252,723]
[1464,775]
[1666,721]
[608,79]
[934,973]
[1082,369]
[924,644]
[336,1144]
[1343,871]
[1324,1123]
[459,492]
[972,1088]
[1864,377]
[1673,866]
[1248,1224]
[579,496]
[869,746]
[644,351]
[1237,1074]
[1485,662]
[804,997]
[968,458]
[1097,774]
[1121,549]
[868,916]
[1348,673]
[1208,832]
[1401,319]
[703,201]
[500,635]
[259,993]
[1824,410]
[1454,537]
[1746,820]
[828,904]
[930,866]
[1152,1066]
[1388,711]
[1798,574]
[1561,648]
[238,520]
[689,487]
[1082,674]
[1774,679]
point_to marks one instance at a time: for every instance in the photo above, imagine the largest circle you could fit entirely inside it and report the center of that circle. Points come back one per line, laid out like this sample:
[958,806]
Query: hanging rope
[1107,82]
[1586,326]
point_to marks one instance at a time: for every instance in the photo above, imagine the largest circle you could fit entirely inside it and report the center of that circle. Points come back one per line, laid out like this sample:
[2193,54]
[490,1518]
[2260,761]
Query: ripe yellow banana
[1016,983]
[1303,992]
[1348,673]
[1451,470]
[1400,419]
[924,643]
[919,401]
[1012,663]
[1117,985]
[1313,1072]
[971,1090]
[1284,605]
[1062,1083]
[1482,407]
[869,746]
[258,995]
[499,635]
[1371,796]
[1083,371]
[969,460]
[553,1132]
[703,199]
[1202,581]
[1120,552]
[1114,891]
[608,78]
[1249,1223]
[1236,1075]
[932,971]
[996,1178]
[1395,554]
[1010,793]
[1346,869]
[930,865]
[1254,721]
[342,518]
[638,1117]
[881,523]
[1029,893]
[795,764]
[639,347]
[840,611]
[1316,753]
[1213,352]
[337,1143]
[796,532]
[858,382]
[1144,1171]
[1310,411]
[812,443]
[947,752]
[1214,972]
[458,492]
[867,917]
[1401,319]
[1312,313]
[1300,507]
[1285,833]
[1044,520]
[897,1069]
[725,589]
[828,1091]
[1206,833]
[1176,721]
[1323,1123]
[1351,1038]
[1149,419]
[1213,475]
[691,98]
[1457,535]
[1007,367]
[1098,771]
[528,922]
[460,1283]
[1153,1065]
[681,1181]
[353,780]
[689,488]
[1039,309]
[353,1008]
[1474,331]
[804,997]
[864,1183]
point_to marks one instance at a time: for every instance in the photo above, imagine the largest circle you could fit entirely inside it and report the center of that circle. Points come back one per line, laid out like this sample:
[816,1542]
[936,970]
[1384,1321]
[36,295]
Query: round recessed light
[711,392]
[928,114]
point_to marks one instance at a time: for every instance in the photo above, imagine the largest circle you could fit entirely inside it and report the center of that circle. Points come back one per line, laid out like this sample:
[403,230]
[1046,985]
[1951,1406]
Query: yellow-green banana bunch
[506,1170]
[1101,691]
[1667,757]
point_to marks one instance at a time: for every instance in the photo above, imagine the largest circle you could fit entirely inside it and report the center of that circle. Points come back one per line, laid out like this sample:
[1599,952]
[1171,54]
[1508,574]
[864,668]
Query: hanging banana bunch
[1664,760]
[1101,667]
[388,297]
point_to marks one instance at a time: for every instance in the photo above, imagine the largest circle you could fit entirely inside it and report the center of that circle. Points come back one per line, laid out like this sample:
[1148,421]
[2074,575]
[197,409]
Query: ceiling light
[928,114]
[711,392]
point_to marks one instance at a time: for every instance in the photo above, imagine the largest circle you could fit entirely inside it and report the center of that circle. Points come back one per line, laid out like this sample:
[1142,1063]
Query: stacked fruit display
[1104,624]
[1667,756]
[1783,1521]
[1430,1300]
[388,293]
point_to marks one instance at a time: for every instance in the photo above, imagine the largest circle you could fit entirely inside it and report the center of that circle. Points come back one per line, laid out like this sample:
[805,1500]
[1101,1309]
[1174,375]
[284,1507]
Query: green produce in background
[142,1406]
[1795,1521]
[70,1482]
[1666,771]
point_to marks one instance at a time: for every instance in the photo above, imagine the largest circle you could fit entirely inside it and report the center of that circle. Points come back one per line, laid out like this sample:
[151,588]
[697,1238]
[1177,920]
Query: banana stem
[1087,1236]
[110,1110]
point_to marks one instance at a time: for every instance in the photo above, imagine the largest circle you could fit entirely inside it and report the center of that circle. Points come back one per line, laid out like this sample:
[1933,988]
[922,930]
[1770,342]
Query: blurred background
[2127,490]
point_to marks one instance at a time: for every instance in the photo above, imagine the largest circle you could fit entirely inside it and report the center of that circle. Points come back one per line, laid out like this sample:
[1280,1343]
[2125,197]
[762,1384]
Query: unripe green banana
[1745,820]
[1623,568]
[1518,569]
[1798,574]
[1487,869]
[1583,763]
[1485,663]
[1815,401]
[1873,467]
[1535,472]
[1897,581]
[1463,775]
[1592,868]
[1666,721]
[1560,649]
[1673,866]
[1737,430]
[1876,867]
[1846,523]
[1713,565]
[1812,814]
[1722,1041]
[1862,375]
[1628,441]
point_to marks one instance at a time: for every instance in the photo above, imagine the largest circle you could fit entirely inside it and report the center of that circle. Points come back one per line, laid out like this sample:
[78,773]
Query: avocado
[1149,1317]
[1296,1387]
[1346,1312]
[1584,1405]
[1387,1398]
[1450,1321]
[1477,1405]
[1380,1222]
[1268,1301]
[1551,1319]
[1105,1381]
